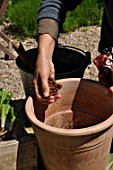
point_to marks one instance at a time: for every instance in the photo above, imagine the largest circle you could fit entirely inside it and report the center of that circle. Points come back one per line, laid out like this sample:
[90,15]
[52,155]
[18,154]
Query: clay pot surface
[75,132]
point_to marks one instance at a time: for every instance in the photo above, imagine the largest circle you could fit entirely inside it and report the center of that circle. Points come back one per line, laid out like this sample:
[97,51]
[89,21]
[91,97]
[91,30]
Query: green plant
[6,110]
[89,12]
[23,15]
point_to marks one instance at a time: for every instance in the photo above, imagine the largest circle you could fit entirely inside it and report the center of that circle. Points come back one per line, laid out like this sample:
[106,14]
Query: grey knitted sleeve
[52,14]
[54,9]
[48,26]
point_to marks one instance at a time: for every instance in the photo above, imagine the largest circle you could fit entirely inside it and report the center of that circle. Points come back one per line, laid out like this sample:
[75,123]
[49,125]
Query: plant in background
[23,15]
[88,13]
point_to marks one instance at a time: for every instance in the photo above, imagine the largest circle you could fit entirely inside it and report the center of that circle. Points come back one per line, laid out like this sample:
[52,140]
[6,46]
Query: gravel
[85,38]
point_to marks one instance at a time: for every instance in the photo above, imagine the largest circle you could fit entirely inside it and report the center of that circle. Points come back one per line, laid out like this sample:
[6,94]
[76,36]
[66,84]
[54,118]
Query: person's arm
[51,16]
[44,69]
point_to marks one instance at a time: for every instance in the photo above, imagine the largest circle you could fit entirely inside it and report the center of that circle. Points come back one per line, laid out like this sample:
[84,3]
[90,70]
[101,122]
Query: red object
[104,64]
[100,61]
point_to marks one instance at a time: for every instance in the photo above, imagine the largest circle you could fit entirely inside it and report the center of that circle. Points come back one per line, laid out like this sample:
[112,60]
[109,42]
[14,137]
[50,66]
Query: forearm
[44,69]
[46,46]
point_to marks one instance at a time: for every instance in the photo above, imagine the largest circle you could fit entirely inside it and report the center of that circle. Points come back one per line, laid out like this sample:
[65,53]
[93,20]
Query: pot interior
[83,104]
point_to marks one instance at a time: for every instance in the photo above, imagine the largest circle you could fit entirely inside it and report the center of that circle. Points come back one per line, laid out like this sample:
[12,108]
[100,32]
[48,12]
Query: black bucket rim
[86,54]
[87,61]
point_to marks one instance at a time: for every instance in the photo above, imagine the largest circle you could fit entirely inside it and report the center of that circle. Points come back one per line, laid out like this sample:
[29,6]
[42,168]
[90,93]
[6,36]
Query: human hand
[45,70]
[46,88]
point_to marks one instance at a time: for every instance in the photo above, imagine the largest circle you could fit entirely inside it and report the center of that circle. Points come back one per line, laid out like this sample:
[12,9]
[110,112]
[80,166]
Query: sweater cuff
[48,26]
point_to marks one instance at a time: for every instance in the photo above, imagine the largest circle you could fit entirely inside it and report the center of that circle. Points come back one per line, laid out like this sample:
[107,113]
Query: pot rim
[66,132]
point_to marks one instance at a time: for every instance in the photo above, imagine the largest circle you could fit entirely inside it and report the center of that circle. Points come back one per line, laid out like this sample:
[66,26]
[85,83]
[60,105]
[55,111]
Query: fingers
[36,89]
[45,88]
[42,92]
[49,100]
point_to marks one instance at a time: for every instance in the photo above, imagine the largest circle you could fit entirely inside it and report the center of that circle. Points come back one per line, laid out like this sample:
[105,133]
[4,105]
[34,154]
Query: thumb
[45,88]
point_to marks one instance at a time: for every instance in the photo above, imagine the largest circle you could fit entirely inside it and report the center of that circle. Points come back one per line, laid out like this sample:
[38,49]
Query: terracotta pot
[75,132]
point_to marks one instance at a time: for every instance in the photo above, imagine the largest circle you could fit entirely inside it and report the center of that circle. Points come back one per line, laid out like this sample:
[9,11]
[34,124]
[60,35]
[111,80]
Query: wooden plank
[4,36]
[19,155]
[27,155]
[8,154]
[7,51]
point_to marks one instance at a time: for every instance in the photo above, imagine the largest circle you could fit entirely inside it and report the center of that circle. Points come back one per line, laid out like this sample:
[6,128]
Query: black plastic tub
[69,62]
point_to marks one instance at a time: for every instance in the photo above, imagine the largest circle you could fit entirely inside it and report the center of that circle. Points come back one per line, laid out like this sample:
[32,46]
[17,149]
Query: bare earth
[84,38]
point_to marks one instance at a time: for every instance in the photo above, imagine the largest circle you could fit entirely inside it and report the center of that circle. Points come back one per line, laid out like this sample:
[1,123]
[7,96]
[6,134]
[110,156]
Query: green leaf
[4,112]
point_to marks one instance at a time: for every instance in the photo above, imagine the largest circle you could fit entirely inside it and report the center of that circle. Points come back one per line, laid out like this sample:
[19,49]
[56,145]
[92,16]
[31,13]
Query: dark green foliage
[23,15]
[16,1]
[89,12]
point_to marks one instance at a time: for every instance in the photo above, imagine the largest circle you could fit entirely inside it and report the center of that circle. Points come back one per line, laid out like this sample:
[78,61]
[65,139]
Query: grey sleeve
[53,9]
[52,14]
[48,26]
